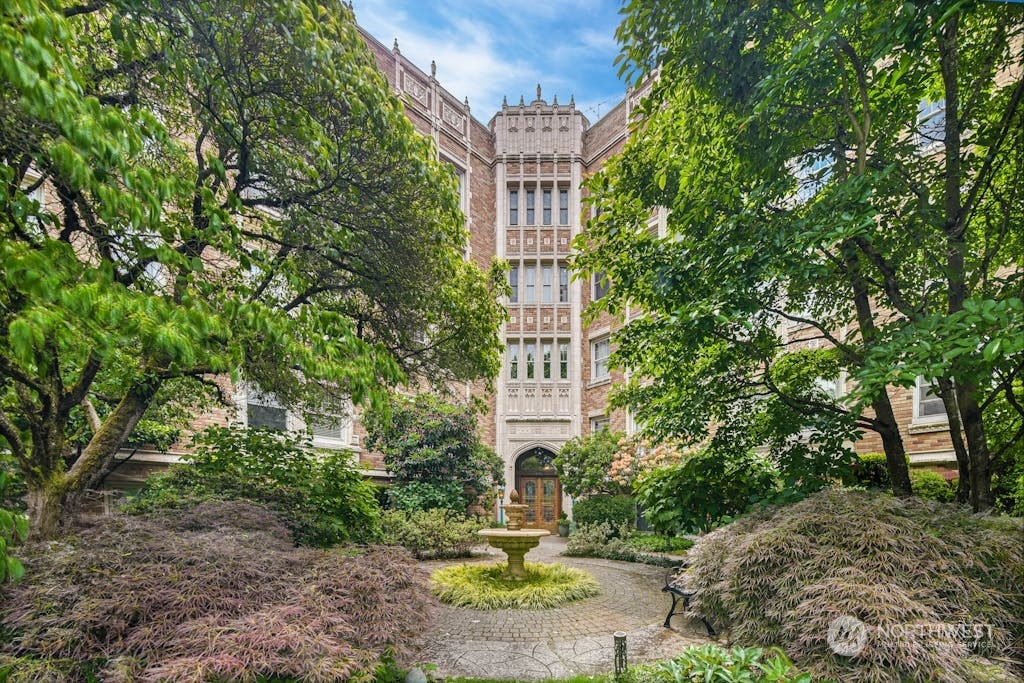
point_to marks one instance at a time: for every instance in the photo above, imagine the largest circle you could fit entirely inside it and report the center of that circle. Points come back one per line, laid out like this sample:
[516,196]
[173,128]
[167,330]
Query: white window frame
[513,206]
[600,423]
[921,387]
[547,276]
[530,284]
[931,119]
[599,369]
[601,285]
[513,284]
[341,441]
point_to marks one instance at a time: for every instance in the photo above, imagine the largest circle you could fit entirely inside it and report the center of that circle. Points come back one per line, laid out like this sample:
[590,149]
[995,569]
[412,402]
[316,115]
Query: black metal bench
[680,598]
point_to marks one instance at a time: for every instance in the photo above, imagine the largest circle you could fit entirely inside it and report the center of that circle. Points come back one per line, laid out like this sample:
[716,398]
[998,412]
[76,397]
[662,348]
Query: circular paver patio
[561,642]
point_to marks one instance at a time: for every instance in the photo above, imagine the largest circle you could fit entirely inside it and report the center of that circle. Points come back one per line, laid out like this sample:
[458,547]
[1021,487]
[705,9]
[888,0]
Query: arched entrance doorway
[539,489]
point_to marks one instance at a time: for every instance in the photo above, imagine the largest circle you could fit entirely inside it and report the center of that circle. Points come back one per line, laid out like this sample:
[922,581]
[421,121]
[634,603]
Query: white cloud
[487,49]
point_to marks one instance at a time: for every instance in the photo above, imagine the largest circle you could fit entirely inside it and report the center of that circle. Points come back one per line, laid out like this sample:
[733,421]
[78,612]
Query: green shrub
[931,486]
[322,496]
[605,509]
[214,592]
[703,490]
[431,533]
[482,586]
[871,556]
[601,540]
[421,495]
[658,543]
[872,471]
[714,663]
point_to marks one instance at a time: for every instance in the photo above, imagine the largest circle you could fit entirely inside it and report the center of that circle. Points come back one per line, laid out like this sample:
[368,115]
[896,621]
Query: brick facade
[542,148]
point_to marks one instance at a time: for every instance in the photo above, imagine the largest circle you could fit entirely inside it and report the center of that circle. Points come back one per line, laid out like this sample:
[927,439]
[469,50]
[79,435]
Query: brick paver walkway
[561,642]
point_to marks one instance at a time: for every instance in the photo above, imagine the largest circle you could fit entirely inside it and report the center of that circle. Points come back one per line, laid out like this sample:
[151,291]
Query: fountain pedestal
[513,540]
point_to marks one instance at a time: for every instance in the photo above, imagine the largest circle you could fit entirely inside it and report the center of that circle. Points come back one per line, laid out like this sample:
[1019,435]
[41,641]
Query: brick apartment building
[520,177]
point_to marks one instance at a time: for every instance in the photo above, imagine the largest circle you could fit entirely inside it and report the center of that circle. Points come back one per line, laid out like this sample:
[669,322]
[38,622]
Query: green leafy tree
[229,188]
[583,464]
[13,530]
[433,450]
[809,199]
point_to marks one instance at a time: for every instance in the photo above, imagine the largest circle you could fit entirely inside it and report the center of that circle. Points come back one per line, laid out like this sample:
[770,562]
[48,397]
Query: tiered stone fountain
[514,540]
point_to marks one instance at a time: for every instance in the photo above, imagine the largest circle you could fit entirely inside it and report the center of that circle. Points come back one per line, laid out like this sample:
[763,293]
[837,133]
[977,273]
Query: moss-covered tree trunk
[54,490]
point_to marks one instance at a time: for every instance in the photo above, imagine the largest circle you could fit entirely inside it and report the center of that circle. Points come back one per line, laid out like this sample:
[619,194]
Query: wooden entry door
[541,495]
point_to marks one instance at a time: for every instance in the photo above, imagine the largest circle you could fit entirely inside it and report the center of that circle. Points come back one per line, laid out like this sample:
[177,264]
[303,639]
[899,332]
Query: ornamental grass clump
[215,592]
[939,592]
[482,586]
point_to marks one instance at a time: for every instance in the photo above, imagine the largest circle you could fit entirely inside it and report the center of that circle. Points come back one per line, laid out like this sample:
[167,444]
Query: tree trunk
[45,510]
[53,498]
[981,464]
[963,462]
[892,444]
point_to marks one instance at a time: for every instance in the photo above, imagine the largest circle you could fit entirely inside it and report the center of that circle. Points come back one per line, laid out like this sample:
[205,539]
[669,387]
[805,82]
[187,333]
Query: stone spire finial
[555,101]
[522,101]
[572,100]
[538,91]
[504,100]
[394,48]
[465,103]
[433,68]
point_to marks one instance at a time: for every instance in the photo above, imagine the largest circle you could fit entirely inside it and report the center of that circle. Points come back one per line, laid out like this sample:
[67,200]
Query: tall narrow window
[563,284]
[513,207]
[513,283]
[563,360]
[513,360]
[531,359]
[563,207]
[530,215]
[546,207]
[599,352]
[546,351]
[600,285]
[530,277]
[546,274]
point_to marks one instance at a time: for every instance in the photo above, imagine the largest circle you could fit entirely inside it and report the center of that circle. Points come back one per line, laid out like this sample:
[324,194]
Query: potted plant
[563,524]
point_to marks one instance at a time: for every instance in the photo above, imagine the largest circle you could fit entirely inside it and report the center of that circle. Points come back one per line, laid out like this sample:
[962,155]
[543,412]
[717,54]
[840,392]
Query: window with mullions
[546,207]
[546,360]
[530,277]
[513,283]
[531,359]
[546,284]
[563,360]
[530,213]
[563,284]
[563,207]
[513,207]
[513,360]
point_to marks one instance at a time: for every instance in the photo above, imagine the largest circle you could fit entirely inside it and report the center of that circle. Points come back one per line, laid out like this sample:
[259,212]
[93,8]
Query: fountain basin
[515,544]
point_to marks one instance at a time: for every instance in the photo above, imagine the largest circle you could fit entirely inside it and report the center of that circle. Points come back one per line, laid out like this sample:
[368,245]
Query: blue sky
[486,49]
